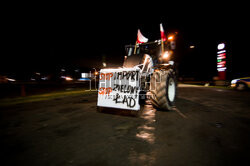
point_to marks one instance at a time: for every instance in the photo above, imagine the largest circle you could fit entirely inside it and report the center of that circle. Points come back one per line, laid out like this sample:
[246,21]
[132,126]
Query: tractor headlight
[166,55]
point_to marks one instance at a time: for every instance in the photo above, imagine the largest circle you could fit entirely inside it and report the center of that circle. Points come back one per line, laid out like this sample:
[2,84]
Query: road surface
[210,126]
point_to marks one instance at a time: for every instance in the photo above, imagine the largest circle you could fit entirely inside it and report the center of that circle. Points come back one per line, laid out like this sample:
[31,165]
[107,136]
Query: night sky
[47,37]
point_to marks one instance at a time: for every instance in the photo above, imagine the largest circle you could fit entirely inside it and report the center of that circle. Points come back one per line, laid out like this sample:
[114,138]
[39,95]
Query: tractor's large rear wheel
[163,89]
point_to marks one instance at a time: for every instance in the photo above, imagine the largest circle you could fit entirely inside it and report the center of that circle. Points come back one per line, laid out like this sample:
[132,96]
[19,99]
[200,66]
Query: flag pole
[135,47]
[162,46]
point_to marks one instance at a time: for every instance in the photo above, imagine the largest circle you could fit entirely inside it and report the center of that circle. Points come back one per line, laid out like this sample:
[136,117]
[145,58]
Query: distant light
[206,84]
[44,78]
[11,80]
[84,79]
[104,64]
[221,46]
[192,46]
[68,79]
[85,75]
[96,73]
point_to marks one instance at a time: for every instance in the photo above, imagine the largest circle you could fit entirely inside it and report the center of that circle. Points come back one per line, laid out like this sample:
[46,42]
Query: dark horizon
[74,38]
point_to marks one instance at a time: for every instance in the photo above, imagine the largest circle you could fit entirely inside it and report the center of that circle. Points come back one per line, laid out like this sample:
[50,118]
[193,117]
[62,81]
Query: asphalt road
[209,126]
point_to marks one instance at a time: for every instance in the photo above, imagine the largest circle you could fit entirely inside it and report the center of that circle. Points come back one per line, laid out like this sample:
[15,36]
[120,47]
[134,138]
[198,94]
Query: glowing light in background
[11,80]
[221,60]
[68,79]
[221,46]
[104,64]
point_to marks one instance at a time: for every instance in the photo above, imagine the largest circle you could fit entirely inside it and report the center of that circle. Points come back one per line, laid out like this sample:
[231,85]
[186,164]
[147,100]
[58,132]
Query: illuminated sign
[85,75]
[221,57]
[221,61]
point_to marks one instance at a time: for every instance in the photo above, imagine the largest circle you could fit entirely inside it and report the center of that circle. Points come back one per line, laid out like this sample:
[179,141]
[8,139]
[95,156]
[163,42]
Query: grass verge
[42,97]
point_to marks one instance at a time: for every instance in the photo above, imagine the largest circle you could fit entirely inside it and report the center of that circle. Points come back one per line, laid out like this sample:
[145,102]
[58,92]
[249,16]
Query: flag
[141,38]
[163,36]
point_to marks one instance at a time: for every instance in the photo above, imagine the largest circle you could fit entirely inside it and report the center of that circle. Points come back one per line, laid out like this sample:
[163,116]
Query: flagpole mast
[136,42]
[135,47]
[162,46]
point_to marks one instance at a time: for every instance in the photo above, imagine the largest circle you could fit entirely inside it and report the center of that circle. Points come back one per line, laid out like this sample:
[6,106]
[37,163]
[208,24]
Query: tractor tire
[163,89]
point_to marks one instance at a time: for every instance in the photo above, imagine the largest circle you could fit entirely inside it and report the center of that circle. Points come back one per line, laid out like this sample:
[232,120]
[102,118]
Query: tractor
[148,72]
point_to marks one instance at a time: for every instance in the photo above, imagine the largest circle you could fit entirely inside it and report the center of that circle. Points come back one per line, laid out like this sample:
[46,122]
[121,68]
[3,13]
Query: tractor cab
[148,55]
[153,49]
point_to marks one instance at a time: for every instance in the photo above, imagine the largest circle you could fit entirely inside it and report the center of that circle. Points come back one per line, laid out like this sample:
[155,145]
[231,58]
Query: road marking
[180,113]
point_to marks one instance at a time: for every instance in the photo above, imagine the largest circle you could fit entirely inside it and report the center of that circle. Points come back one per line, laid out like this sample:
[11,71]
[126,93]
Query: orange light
[96,73]
[170,38]
[68,79]
[165,55]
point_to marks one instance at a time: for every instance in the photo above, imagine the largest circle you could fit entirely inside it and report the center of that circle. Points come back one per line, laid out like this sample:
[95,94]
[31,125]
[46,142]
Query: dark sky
[49,36]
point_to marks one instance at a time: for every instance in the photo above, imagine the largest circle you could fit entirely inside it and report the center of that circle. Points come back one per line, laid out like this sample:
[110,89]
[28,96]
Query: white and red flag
[163,36]
[141,38]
